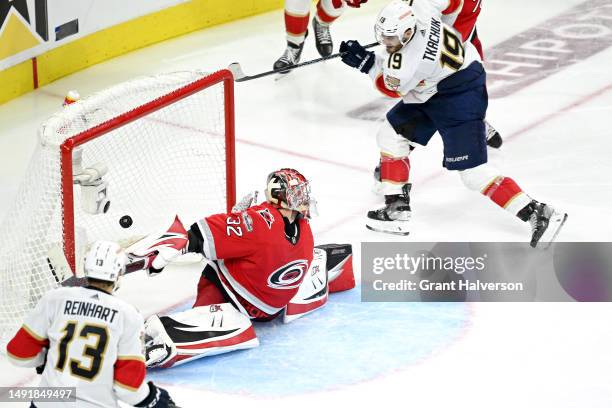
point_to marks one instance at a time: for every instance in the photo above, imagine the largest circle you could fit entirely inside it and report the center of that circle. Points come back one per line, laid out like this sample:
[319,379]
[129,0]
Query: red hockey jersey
[462,15]
[256,261]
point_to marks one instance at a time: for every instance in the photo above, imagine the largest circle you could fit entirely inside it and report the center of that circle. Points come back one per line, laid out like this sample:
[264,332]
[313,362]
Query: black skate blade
[388,232]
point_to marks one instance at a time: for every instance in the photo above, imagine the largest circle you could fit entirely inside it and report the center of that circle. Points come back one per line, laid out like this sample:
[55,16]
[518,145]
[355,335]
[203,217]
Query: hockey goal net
[116,166]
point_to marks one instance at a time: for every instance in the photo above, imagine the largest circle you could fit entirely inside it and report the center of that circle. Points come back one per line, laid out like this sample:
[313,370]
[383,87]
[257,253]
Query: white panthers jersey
[94,344]
[434,53]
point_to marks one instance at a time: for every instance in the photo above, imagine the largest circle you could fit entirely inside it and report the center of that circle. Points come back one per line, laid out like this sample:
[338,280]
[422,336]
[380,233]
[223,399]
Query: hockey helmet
[392,23]
[105,261]
[288,188]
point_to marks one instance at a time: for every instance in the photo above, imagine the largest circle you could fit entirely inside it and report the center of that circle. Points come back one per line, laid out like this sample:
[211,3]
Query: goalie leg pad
[159,347]
[206,331]
[339,266]
[313,291]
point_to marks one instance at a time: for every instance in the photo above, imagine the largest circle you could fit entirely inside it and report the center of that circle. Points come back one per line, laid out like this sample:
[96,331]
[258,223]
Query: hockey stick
[240,76]
[61,271]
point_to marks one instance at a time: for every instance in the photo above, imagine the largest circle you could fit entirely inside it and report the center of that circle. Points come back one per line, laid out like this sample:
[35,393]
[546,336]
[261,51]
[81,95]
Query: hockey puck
[125,221]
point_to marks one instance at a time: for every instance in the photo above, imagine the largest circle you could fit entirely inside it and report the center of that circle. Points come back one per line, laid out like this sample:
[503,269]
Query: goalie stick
[61,271]
[240,76]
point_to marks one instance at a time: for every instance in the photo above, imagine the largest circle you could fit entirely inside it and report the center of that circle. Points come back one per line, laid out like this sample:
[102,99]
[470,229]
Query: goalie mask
[393,24]
[288,188]
[105,261]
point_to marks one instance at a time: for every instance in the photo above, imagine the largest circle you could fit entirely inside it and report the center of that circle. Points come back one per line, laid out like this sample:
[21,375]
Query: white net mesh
[171,161]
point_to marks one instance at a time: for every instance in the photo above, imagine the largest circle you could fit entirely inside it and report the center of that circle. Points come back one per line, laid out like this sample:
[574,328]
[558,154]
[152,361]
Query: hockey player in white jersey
[84,337]
[441,82]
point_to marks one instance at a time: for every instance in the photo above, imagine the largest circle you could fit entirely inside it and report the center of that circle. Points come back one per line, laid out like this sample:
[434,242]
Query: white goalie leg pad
[479,177]
[313,291]
[159,347]
[339,265]
[206,331]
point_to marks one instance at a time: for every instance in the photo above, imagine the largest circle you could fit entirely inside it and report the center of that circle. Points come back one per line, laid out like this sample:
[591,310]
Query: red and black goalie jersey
[261,259]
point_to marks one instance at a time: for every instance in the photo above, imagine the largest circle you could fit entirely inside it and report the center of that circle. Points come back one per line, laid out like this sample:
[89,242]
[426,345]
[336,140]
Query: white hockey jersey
[94,343]
[413,73]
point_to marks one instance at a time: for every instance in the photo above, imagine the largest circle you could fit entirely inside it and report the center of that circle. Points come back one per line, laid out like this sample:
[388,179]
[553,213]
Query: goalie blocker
[220,328]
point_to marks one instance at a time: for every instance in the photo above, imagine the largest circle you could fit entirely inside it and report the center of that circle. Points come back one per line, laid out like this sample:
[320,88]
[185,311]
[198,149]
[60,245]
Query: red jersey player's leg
[327,13]
[297,15]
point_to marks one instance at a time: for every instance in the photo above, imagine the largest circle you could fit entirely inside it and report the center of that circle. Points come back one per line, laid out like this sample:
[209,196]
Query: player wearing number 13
[442,85]
[84,337]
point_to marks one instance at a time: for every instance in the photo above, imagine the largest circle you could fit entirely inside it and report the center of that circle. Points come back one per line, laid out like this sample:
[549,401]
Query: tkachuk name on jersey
[433,43]
[87,309]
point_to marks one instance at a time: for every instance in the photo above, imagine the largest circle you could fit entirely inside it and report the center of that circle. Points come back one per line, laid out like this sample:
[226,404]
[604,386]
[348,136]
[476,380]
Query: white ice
[423,355]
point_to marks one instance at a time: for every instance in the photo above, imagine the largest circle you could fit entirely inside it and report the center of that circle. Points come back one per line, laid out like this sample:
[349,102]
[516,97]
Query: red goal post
[152,147]
[70,144]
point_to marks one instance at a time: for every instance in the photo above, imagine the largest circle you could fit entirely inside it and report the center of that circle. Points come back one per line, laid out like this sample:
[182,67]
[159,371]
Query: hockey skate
[494,139]
[290,57]
[545,224]
[394,217]
[159,348]
[323,39]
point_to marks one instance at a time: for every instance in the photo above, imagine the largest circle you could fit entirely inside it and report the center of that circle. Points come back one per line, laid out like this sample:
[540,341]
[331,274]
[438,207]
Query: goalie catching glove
[160,249]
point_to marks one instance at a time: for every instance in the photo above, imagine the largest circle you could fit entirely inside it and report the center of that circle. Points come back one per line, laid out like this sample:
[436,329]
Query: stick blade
[236,71]
[58,265]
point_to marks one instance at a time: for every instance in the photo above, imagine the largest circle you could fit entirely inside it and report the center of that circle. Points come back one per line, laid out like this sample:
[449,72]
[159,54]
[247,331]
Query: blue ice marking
[344,343]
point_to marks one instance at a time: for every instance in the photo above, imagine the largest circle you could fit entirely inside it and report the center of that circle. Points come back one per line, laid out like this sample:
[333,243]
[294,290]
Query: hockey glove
[157,398]
[354,55]
[246,201]
[161,249]
[351,3]
[41,368]
[355,3]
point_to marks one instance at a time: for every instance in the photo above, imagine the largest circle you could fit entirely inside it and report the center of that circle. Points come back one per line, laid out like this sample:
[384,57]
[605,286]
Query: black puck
[125,221]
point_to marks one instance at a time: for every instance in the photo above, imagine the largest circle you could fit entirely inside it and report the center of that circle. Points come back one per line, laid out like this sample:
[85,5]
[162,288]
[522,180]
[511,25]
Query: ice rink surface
[322,120]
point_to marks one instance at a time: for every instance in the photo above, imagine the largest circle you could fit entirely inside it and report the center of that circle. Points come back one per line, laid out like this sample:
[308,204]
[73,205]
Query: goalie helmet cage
[167,142]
